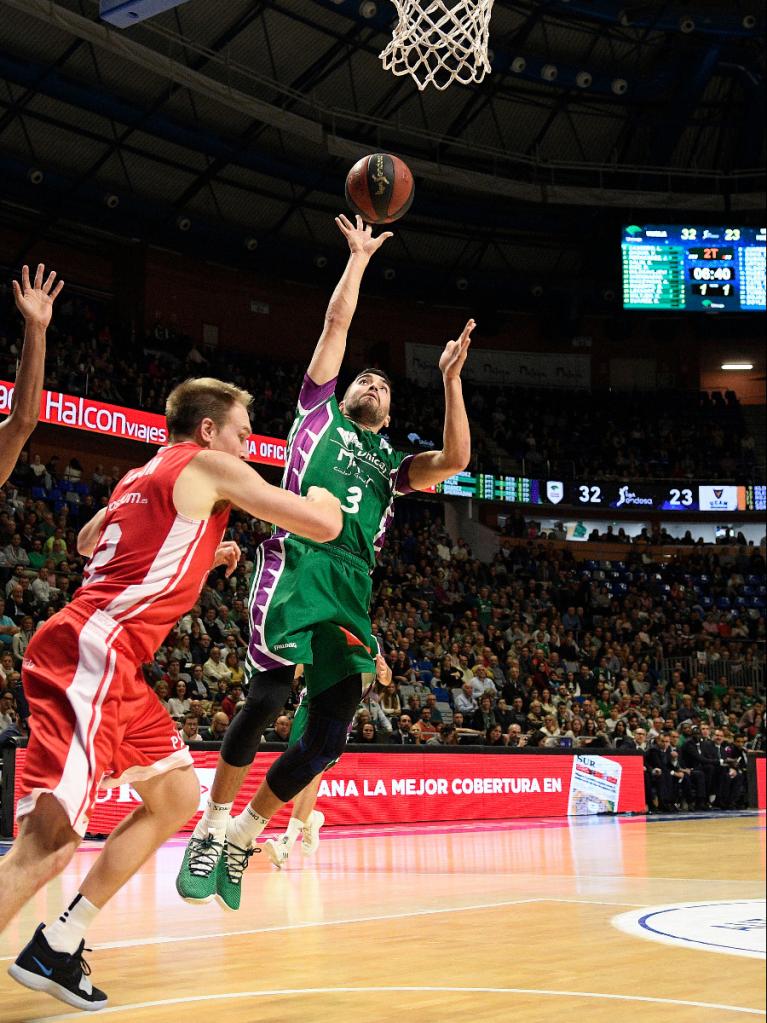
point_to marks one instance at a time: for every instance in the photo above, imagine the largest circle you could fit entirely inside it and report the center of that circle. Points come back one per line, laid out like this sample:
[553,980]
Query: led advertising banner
[390,788]
[126,423]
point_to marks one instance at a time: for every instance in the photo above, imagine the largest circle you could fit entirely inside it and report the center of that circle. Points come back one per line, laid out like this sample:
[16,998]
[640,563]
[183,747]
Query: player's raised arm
[35,303]
[331,347]
[316,516]
[430,467]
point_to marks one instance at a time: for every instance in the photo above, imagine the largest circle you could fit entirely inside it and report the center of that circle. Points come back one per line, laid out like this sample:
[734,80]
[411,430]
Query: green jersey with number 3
[325,449]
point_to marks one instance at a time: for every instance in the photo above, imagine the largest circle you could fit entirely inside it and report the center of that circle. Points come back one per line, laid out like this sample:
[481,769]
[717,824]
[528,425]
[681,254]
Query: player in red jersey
[95,722]
[34,300]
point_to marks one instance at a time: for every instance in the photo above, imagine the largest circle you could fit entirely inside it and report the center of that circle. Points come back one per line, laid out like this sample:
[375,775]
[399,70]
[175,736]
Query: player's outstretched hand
[360,238]
[227,553]
[454,356]
[35,301]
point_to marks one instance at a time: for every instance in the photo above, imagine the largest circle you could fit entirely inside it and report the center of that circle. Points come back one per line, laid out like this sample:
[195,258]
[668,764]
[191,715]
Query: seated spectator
[236,670]
[402,734]
[214,670]
[162,692]
[446,736]
[425,725]
[481,681]
[190,730]
[179,703]
[232,699]
[8,628]
[280,730]
[217,729]
[465,701]
[390,702]
[484,717]
[494,736]
[365,734]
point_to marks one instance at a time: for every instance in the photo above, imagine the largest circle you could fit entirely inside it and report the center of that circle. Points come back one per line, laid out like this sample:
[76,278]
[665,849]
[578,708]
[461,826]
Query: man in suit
[695,767]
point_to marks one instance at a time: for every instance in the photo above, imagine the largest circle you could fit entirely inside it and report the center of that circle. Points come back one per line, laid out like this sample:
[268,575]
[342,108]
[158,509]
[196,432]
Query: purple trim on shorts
[273,564]
[311,395]
[302,446]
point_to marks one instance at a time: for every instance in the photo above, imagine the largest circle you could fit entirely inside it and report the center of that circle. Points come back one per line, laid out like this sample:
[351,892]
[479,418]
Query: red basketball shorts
[94,720]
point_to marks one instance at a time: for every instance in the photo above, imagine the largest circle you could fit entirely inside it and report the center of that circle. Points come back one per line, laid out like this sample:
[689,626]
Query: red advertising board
[389,788]
[761,782]
[127,423]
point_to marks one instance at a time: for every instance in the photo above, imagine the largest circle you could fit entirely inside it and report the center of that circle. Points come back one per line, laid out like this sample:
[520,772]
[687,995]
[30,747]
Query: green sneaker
[196,881]
[231,867]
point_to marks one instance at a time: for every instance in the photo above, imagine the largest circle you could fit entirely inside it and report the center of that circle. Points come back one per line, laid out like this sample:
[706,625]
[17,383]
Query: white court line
[292,992]
[305,925]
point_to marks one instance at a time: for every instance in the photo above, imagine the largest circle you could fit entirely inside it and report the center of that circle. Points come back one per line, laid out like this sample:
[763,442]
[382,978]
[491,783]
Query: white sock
[244,829]
[294,829]
[66,933]
[213,820]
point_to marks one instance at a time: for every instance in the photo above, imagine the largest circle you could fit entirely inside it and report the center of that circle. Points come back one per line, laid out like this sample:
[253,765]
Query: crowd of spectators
[532,648]
[560,434]
[663,435]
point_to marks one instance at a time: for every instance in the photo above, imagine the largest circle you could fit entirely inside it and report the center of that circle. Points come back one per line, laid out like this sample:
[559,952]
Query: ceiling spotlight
[737,365]
[35,175]
[625,19]
[686,24]
[518,65]
[461,283]
[389,273]
[583,79]
[183,223]
[549,72]
[368,9]
[537,290]
[251,244]
[749,21]
[619,86]
[111,201]
[320,262]
[608,295]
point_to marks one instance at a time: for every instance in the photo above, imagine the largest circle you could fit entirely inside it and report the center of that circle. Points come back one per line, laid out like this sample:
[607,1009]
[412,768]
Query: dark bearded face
[367,401]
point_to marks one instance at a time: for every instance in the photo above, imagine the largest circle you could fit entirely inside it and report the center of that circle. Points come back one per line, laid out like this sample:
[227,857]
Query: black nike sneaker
[61,974]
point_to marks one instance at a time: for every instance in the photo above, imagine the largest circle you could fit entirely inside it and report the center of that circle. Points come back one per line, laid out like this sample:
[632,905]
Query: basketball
[380,188]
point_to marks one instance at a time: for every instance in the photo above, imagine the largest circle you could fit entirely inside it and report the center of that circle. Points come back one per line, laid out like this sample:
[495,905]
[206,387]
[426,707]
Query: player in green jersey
[309,605]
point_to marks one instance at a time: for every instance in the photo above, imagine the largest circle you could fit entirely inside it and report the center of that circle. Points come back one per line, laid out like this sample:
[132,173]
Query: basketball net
[438,42]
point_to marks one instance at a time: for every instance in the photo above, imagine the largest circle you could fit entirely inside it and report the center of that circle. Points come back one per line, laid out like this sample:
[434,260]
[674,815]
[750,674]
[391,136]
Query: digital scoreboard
[607,494]
[697,269]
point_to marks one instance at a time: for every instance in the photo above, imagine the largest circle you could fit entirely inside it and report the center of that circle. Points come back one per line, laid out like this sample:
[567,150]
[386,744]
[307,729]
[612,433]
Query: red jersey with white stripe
[150,562]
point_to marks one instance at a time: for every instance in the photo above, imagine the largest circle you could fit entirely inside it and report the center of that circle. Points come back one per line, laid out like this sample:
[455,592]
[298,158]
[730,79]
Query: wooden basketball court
[480,922]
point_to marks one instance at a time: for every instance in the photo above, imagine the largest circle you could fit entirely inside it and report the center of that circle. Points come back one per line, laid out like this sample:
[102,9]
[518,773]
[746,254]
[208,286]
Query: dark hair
[378,372]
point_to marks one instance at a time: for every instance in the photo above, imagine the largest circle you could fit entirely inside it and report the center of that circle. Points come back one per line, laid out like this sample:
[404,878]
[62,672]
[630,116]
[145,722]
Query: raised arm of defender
[431,467]
[331,347]
[35,303]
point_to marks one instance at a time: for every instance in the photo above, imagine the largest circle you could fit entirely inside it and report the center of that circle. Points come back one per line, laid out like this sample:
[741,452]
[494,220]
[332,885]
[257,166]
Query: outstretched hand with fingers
[454,356]
[360,238]
[35,300]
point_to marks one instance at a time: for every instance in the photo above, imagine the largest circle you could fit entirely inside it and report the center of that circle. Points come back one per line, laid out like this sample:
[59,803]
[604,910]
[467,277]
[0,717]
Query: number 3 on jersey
[353,498]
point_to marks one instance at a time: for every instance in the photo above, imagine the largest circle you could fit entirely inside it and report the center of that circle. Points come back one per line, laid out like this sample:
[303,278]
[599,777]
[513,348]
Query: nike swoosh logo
[46,970]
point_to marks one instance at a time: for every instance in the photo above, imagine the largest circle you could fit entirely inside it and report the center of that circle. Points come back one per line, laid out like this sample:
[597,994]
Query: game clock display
[703,269]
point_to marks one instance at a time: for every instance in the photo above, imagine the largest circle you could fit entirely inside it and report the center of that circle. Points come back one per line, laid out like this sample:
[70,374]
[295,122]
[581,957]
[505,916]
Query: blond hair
[201,398]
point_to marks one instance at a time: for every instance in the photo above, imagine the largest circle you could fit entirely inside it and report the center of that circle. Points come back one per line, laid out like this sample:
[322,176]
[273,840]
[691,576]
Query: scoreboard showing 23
[703,269]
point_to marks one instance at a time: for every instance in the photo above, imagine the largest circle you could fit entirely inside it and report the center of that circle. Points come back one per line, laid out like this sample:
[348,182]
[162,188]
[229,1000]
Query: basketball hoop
[440,41]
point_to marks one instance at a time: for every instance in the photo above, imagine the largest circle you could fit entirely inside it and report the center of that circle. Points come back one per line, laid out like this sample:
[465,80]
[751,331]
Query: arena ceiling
[233,123]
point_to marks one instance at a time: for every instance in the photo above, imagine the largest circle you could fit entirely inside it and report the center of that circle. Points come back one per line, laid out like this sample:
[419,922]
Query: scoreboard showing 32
[700,269]
[636,495]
